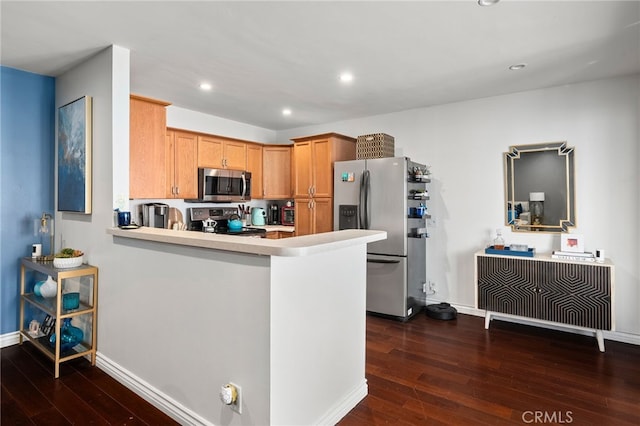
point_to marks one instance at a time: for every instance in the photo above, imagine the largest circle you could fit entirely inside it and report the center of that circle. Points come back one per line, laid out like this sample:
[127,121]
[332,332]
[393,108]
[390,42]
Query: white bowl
[67,262]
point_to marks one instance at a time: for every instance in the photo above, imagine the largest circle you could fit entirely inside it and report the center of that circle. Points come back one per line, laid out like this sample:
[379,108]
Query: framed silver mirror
[539,187]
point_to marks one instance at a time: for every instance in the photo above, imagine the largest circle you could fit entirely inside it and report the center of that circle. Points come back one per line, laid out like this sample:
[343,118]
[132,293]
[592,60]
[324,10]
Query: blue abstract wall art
[74,156]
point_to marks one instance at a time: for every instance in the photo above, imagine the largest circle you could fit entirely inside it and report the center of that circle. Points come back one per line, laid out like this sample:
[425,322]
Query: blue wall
[27,142]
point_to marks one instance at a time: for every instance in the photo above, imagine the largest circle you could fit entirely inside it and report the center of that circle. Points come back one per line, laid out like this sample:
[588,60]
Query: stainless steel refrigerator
[378,194]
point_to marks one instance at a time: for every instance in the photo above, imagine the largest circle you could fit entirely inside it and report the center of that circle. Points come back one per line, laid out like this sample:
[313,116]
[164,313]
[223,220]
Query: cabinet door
[302,169]
[147,167]
[186,167]
[508,285]
[322,168]
[235,155]
[170,170]
[254,165]
[577,294]
[322,215]
[277,172]
[303,216]
[210,152]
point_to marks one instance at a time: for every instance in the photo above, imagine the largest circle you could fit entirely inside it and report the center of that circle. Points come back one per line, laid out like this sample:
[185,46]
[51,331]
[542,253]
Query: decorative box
[377,145]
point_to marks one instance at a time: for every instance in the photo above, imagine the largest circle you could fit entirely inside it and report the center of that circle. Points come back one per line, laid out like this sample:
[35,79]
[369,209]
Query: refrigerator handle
[382,261]
[363,200]
[367,203]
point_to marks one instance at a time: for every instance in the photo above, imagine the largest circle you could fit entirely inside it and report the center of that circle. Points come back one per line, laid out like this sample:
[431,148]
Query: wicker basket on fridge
[376,145]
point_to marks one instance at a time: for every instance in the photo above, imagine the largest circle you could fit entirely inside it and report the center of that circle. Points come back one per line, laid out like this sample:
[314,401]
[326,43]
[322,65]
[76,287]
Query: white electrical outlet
[231,395]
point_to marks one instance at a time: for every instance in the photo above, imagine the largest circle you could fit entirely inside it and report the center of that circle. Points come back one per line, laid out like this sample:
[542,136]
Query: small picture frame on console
[573,243]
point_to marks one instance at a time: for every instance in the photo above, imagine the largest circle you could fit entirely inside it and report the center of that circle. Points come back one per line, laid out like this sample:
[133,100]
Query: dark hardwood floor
[424,372]
[431,372]
[82,395]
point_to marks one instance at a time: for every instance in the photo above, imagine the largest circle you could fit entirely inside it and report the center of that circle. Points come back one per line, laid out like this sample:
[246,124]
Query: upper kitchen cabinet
[147,128]
[221,153]
[181,165]
[254,165]
[313,158]
[276,179]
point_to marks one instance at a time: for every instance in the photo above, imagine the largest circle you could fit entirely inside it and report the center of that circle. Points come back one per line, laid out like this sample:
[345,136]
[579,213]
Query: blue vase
[71,336]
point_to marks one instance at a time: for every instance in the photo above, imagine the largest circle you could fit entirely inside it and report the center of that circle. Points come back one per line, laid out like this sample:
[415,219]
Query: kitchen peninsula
[284,319]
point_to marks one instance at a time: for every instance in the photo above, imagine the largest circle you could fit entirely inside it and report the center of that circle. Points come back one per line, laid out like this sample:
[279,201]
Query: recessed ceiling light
[346,77]
[517,67]
[205,86]
[487,2]
[286,112]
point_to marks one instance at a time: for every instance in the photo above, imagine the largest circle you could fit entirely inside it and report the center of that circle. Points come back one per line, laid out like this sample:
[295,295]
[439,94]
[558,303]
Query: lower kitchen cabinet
[75,304]
[276,235]
[575,294]
[313,215]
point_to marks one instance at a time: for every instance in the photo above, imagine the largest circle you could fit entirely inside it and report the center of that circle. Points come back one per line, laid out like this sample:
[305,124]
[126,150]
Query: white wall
[181,118]
[464,142]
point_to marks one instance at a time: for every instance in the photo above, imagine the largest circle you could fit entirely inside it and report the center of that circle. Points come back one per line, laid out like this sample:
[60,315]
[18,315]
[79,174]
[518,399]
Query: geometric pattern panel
[504,285]
[577,294]
[570,293]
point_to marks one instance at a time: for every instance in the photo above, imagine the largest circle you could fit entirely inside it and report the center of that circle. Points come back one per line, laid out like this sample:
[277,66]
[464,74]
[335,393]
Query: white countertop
[294,246]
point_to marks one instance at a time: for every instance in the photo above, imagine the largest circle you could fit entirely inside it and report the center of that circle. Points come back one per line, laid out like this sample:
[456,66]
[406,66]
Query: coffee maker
[155,215]
[274,214]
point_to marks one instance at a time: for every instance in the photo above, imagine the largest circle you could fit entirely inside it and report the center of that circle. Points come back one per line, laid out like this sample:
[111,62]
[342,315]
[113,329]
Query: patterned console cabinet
[546,290]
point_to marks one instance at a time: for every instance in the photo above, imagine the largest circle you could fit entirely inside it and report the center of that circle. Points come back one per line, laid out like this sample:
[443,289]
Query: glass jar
[498,242]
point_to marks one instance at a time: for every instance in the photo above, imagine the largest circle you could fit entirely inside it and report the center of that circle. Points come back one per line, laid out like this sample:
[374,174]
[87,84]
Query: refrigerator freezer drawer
[387,285]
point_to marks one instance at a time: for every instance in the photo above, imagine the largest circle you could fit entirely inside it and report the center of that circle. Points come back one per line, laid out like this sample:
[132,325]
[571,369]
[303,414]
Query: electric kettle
[258,216]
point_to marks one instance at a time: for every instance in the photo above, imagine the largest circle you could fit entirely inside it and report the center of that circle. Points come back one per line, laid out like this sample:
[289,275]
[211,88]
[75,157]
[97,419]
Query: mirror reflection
[539,187]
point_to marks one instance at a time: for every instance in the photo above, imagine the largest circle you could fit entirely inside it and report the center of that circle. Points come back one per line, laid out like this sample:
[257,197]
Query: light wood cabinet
[313,215]
[276,179]
[276,235]
[147,160]
[181,166]
[254,166]
[221,153]
[313,159]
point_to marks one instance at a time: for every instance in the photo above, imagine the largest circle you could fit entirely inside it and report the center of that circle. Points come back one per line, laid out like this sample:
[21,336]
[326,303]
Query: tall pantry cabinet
[147,157]
[313,158]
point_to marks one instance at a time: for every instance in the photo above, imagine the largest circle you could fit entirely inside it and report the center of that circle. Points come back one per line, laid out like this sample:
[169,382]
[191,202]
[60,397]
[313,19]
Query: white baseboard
[336,413]
[616,336]
[158,399]
[9,339]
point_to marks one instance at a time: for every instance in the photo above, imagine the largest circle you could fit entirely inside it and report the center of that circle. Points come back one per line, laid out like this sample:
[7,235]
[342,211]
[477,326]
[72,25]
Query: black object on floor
[441,311]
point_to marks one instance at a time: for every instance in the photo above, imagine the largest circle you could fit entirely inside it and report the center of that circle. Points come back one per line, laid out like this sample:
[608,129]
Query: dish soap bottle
[498,243]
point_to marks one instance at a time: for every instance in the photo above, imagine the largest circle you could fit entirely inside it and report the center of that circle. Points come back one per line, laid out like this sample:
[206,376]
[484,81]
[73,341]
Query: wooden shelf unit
[54,308]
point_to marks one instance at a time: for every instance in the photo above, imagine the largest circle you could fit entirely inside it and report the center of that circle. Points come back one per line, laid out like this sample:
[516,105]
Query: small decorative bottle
[498,243]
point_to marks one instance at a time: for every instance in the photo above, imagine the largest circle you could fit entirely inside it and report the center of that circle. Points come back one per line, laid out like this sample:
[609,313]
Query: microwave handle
[244,186]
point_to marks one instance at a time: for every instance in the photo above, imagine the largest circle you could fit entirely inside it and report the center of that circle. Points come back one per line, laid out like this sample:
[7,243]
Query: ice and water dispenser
[347,216]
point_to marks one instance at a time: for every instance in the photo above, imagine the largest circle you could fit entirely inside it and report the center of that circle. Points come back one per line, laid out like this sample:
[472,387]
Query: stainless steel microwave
[223,185]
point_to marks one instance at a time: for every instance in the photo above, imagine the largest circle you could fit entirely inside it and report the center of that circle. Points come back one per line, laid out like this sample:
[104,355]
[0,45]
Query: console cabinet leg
[487,320]
[600,339]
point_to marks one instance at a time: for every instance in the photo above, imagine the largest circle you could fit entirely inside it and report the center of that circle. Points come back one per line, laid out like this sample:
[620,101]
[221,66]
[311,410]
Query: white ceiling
[263,56]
